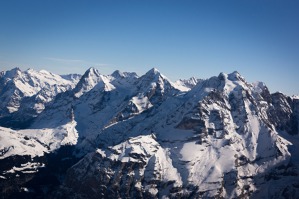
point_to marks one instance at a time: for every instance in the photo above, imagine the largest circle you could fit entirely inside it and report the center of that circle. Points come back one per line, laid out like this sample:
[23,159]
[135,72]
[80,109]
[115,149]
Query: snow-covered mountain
[24,94]
[125,136]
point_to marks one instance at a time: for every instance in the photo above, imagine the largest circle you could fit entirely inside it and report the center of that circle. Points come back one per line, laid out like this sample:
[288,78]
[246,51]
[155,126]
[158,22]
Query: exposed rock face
[284,113]
[146,137]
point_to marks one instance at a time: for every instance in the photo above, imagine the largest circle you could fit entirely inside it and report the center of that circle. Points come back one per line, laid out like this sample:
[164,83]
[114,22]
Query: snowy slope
[36,142]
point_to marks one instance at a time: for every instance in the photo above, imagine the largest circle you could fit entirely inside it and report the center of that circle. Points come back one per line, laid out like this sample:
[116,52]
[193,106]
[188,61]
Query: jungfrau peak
[125,136]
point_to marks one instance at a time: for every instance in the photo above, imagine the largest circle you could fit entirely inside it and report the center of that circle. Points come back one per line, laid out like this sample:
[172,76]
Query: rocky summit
[125,136]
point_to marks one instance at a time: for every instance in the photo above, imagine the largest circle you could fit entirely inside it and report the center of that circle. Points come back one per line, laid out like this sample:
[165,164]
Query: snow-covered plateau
[129,136]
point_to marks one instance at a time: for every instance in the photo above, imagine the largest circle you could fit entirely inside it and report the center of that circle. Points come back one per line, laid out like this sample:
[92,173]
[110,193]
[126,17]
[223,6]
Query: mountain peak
[13,72]
[16,69]
[259,87]
[89,80]
[91,72]
[118,74]
[153,71]
[234,76]
[154,74]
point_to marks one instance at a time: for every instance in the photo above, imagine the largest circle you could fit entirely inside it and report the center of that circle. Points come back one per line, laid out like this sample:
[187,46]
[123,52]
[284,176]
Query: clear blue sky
[258,38]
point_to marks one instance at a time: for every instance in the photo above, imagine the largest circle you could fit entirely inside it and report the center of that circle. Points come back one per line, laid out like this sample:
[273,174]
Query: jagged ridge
[149,137]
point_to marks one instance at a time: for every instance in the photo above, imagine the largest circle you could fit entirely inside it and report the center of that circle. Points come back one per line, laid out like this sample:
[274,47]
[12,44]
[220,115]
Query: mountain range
[129,136]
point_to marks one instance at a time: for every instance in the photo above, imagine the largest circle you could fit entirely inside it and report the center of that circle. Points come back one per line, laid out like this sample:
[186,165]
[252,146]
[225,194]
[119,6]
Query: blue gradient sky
[258,38]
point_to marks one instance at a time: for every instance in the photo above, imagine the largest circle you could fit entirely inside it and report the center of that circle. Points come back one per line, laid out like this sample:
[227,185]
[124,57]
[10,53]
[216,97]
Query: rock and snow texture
[147,137]
[137,164]
[24,94]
